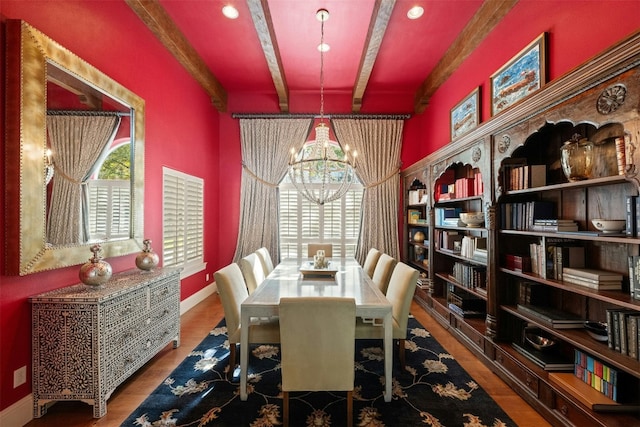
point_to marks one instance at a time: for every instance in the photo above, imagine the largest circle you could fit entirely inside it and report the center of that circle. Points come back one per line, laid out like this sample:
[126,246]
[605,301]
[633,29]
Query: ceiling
[379,62]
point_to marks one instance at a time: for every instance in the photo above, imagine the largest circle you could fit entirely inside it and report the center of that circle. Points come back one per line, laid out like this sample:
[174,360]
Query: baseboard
[21,412]
[18,414]
[188,303]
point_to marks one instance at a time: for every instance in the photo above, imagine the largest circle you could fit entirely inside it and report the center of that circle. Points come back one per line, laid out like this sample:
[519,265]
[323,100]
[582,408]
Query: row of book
[599,376]
[466,305]
[522,215]
[448,187]
[470,276]
[418,197]
[447,217]
[518,175]
[472,244]
[623,329]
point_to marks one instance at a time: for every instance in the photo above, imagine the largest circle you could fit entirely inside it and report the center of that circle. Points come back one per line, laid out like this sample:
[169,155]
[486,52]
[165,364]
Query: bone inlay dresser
[87,340]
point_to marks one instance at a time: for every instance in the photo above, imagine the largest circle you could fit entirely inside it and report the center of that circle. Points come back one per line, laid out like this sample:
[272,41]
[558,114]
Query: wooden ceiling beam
[156,18]
[264,28]
[488,16]
[377,28]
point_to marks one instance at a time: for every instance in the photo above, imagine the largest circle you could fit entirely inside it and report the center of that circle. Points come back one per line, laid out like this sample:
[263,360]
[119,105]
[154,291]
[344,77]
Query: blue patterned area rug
[434,390]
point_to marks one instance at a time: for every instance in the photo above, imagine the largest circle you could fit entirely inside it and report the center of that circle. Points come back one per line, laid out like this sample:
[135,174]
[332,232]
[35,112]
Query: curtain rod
[316,116]
[86,113]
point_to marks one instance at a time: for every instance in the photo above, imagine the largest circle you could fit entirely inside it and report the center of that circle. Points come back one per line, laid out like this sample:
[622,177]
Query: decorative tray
[308,270]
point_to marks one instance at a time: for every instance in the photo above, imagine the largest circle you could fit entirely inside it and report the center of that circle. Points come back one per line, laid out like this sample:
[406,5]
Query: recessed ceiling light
[323,47]
[415,12]
[230,12]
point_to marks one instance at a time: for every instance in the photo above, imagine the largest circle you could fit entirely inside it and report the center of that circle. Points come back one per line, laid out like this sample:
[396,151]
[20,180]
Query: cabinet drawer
[118,312]
[163,290]
[443,312]
[476,337]
[570,412]
[522,374]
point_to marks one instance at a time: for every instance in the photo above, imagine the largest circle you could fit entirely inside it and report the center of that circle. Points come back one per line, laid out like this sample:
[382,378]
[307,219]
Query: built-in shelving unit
[537,227]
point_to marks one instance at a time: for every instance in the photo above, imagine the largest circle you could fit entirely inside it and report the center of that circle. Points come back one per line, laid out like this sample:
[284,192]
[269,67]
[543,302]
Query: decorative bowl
[597,330]
[535,338]
[609,225]
[472,219]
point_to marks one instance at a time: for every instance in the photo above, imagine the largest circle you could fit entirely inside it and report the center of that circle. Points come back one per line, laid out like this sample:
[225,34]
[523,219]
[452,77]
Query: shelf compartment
[580,339]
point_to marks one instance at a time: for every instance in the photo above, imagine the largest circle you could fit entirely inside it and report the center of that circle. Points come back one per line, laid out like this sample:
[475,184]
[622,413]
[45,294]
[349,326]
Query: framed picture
[522,75]
[466,115]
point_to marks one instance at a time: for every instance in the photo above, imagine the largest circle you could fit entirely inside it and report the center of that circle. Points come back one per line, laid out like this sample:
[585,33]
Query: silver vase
[147,259]
[95,272]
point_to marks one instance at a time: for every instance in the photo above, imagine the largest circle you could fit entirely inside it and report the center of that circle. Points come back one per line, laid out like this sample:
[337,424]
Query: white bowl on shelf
[472,219]
[609,225]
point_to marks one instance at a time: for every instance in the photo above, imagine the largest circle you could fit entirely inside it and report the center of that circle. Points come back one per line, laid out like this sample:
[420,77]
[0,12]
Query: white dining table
[349,281]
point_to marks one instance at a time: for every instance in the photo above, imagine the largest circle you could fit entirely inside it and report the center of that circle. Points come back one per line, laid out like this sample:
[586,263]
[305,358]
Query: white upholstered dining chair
[382,272]
[313,248]
[252,270]
[267,261]
[402,286]
[317,355]
[370,261]
[233,290]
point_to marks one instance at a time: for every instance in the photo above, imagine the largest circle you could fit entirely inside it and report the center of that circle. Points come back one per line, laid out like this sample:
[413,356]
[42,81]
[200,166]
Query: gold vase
[95,272]
[577,158]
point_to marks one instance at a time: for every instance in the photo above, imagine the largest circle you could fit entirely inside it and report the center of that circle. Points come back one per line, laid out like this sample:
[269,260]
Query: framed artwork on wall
[466,114]
[522,75]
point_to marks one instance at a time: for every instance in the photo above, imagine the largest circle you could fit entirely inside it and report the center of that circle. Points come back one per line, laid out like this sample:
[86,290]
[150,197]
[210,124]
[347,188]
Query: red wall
[182,132]
[577,31]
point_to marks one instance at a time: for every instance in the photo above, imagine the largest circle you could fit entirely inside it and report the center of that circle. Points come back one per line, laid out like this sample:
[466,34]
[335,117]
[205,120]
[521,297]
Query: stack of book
[554,318]
[549,360]
[592,278]
[554,225]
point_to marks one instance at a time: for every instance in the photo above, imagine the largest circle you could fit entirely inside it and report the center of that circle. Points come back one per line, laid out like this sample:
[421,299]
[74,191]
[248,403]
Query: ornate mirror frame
[28,53]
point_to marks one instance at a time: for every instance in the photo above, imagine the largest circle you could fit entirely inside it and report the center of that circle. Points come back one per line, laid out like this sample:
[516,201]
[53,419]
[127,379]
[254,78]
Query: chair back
[317,336]
[402,286]
[232,290]
[382,272]
[313,248]
[370,261]
[252,270]
[267,261]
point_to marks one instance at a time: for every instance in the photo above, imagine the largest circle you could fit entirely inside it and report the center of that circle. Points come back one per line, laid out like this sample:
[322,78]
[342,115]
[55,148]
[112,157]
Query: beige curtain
[378,165]
[76,142]
[265,158]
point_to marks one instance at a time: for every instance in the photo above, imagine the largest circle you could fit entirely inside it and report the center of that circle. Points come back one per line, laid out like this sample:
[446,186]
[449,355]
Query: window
[303,222]
[182,221]
[109,210]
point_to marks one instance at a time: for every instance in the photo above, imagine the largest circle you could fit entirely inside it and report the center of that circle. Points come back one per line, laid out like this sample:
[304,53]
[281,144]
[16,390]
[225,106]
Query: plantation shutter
[183,219]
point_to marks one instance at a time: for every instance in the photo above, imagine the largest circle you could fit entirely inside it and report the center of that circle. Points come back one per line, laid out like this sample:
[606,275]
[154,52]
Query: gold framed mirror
[33,62]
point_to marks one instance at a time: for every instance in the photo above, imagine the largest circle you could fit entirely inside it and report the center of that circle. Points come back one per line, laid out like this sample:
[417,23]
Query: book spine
[622,319]
[636,277]
[632,334]
[610,328]
[616,330]
[632,276]
[631,216]
[637,216]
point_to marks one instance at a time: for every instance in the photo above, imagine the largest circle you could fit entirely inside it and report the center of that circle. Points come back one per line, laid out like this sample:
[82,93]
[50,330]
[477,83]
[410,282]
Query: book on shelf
[633,327]
[564,255]
[465,313]
[548,360]
[557,319]
[593,273]
[600,285]
[413,215]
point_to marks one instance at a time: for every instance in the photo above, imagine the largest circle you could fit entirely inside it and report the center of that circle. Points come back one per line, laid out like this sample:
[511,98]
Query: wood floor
[198,321]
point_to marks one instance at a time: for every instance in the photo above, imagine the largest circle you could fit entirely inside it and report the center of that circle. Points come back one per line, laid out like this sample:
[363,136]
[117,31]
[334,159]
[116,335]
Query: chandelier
[321,171]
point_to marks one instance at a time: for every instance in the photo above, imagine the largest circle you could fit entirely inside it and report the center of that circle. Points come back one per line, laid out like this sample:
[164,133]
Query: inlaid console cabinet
[87,341]
[483,300]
